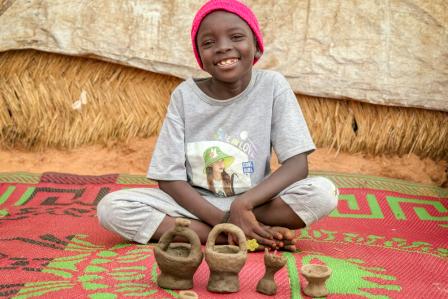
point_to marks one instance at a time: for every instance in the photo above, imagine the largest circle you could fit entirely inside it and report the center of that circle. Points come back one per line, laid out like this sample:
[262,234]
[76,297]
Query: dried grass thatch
[39,89]
[37,92]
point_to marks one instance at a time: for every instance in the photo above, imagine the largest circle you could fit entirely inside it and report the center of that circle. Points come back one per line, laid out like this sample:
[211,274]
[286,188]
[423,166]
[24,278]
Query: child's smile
[227,50]
[227,63]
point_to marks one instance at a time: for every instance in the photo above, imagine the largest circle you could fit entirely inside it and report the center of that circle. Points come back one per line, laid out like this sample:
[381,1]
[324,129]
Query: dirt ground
[133,157]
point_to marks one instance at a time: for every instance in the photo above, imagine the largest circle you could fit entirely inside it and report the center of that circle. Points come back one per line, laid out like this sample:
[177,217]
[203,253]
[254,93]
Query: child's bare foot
[284,237]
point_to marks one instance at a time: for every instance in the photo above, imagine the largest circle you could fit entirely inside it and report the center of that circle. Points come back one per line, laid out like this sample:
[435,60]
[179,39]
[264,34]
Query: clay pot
[178,261]
[316,275]
[225,261]
[272,264]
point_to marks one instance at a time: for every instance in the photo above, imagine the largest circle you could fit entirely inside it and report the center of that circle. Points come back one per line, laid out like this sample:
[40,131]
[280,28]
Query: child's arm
[186,196]
[291,150]
[241,210]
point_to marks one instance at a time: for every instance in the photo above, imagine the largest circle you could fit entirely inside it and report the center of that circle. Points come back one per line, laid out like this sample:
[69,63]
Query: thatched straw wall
[38,90]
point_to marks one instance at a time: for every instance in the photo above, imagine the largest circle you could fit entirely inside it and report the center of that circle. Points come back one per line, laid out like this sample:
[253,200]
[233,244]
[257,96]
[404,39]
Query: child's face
[218,166]
[226,46]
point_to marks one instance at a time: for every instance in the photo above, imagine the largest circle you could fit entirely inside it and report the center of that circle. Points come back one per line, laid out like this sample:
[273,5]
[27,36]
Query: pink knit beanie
[232,6]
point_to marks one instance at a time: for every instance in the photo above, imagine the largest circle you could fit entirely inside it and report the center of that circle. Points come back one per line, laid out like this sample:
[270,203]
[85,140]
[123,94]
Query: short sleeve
[168,159]
[290,135]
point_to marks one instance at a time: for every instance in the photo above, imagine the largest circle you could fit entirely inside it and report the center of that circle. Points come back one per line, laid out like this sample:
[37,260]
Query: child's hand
[283,236]
[245,219]
[232,239]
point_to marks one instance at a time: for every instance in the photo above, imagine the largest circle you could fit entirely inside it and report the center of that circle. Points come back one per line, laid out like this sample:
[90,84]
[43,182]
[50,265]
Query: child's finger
[263,232]
[277,235]
[264,241]
[232,239]
[235,239]
[260,239]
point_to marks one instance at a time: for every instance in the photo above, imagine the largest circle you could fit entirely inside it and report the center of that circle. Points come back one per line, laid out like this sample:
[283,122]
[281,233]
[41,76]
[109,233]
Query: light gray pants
[136,213]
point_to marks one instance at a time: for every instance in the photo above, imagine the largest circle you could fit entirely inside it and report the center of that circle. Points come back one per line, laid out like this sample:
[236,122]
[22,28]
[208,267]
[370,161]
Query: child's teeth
[227,62]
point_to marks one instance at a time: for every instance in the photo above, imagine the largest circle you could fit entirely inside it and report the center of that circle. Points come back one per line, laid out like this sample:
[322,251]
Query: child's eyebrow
[236,28]
[205,34]
[231,29]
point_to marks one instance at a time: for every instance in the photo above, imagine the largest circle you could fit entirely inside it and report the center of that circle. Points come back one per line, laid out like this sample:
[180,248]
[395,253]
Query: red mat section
[387,239]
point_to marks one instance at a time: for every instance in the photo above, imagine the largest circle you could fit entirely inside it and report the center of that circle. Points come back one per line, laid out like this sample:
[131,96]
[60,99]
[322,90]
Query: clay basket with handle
[225,261]
[178,261]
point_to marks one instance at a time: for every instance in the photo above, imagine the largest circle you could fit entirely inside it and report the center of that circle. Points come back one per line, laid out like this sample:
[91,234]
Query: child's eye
[237,37]
[207,43]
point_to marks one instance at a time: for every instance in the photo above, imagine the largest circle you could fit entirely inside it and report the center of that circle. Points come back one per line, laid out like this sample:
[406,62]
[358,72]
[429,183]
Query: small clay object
[225,261]
[316,275]
[182,222]
[188,295]
[178,261]
[272,264]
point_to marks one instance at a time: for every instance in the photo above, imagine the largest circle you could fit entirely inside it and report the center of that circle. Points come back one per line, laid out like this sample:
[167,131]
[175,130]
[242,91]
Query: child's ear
[257,53]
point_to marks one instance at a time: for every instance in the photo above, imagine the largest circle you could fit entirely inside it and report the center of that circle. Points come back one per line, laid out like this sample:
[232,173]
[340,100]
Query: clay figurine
[178,261]
[225,261]
[272,264]
[316,275]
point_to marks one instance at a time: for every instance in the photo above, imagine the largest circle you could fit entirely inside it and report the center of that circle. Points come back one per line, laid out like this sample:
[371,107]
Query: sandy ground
[133,157]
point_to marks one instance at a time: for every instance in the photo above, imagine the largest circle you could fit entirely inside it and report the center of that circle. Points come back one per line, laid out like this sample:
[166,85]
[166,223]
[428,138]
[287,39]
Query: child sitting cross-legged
[212,157]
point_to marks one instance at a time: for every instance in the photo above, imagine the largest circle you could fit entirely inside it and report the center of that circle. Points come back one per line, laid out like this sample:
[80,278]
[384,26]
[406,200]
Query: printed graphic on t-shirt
[219,167]
[240,140]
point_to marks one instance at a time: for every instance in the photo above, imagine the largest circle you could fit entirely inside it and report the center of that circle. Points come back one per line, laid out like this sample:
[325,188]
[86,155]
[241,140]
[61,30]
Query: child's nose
[223,45]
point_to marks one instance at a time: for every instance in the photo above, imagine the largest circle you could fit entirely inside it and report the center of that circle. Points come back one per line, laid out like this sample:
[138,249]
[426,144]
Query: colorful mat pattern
[387,239]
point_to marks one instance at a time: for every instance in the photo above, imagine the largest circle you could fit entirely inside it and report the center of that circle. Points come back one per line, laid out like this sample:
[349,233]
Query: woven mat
[387,239]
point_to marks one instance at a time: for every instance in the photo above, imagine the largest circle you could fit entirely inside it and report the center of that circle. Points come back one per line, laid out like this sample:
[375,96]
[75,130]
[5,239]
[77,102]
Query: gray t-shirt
[224,146]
